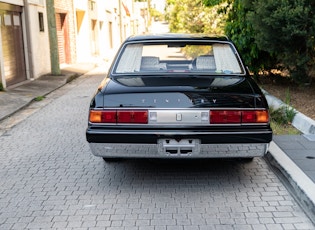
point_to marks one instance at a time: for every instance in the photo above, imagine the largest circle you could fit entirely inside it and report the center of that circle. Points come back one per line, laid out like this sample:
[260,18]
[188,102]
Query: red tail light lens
[119,116]
[140,117]
[109,117]
[225,117]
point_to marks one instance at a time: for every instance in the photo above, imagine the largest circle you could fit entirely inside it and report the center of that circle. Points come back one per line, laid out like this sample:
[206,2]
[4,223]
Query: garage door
[12,43]
[63,38]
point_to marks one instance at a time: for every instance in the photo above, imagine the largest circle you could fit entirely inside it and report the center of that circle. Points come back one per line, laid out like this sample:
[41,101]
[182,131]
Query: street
[51,180]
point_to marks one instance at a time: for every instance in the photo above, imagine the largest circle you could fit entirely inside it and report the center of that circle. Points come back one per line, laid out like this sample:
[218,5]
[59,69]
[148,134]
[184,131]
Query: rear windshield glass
[213,58]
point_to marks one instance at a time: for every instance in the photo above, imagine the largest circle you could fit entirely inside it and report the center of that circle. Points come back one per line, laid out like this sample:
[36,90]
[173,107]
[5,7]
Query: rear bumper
[147,144]
[153,151]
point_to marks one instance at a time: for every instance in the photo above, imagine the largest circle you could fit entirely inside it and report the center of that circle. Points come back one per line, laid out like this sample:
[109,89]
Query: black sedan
[178,96]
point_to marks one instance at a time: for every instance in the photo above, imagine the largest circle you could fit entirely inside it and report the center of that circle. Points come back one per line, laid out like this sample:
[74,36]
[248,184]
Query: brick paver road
[50,180]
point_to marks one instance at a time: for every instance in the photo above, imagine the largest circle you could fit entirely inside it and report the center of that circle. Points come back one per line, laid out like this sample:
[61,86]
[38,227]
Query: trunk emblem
[178,117]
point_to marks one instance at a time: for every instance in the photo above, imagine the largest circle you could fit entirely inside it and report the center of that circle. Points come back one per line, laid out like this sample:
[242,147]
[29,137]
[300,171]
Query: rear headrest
[205,62]
[149,63]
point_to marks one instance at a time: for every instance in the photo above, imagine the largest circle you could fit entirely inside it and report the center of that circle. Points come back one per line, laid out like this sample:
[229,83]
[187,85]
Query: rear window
[151,58]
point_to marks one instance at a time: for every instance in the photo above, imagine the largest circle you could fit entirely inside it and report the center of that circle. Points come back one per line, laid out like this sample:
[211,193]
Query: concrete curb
[300,121]
[302,185]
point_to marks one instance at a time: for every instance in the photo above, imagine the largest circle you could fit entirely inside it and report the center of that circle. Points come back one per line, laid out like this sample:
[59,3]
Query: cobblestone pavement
[50,180]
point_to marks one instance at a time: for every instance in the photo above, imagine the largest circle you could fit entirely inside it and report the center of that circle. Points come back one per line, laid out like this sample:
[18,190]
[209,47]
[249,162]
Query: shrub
[283,115]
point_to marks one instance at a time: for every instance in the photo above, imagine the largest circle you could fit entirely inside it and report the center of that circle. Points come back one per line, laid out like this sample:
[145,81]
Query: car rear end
[171,109]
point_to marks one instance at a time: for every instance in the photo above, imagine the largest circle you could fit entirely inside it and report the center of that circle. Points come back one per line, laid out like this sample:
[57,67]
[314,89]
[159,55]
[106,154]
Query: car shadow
[173,173]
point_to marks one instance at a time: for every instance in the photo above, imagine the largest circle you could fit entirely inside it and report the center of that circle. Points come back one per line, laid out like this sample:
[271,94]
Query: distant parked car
[178,96]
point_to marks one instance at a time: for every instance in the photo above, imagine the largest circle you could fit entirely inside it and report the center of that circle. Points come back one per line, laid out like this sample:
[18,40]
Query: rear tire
[247,159]
[111,159]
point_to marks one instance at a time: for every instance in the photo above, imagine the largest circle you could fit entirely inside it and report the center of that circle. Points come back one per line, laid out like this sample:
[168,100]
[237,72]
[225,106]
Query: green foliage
[241,32]
[281,118]
[39,98]
[193,16]
[195,51]
[286,29]
[157,15]
[279,129]
[212,2]
[285,114]
[275,34]
[1,87]
[215,2]
[269,34]
[288,110]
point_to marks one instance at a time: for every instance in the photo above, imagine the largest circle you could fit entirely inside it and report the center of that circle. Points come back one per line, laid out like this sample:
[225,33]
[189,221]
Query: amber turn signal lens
[95,116]
[262,116]
[108,116]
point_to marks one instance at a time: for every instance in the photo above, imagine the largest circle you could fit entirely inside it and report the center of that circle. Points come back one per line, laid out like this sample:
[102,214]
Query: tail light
[225,117]
[132,116]
[119,116]
[216,116]
[257,116]
[238,116]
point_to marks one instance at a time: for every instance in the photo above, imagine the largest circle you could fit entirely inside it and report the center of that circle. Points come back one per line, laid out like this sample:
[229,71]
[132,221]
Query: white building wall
[108,38]
[38,40]
[140,17]
[82,31]
[113,23]
[104,37]
[127,19]
[114,26]
[112,15]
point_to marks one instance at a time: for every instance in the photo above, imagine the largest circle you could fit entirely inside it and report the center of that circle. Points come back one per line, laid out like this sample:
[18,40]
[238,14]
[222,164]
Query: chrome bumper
[158,151]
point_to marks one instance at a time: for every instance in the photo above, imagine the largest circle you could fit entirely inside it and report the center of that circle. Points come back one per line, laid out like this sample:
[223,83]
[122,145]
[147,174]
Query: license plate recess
[174,147]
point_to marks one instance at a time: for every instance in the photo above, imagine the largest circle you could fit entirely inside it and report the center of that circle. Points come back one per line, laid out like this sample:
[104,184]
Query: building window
[92,5]
[41,21]
[7,20]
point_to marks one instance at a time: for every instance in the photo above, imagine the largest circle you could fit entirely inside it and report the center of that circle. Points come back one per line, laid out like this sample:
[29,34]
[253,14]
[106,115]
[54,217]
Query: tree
[286,30]
[269,34]
[241,32]
[193,16]
[273,34]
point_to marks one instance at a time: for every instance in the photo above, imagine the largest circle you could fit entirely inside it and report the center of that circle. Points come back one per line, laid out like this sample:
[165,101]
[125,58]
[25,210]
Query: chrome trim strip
[174,133]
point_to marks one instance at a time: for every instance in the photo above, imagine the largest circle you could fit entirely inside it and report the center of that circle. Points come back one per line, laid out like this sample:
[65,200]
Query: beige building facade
[24,44]
[88,31]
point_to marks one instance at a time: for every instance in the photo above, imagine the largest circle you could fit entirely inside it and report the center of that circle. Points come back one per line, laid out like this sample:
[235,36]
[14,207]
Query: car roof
[177,37]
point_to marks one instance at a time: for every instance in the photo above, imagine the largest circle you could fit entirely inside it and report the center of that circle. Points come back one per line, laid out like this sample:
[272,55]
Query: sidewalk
[292,155]
[21,95]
